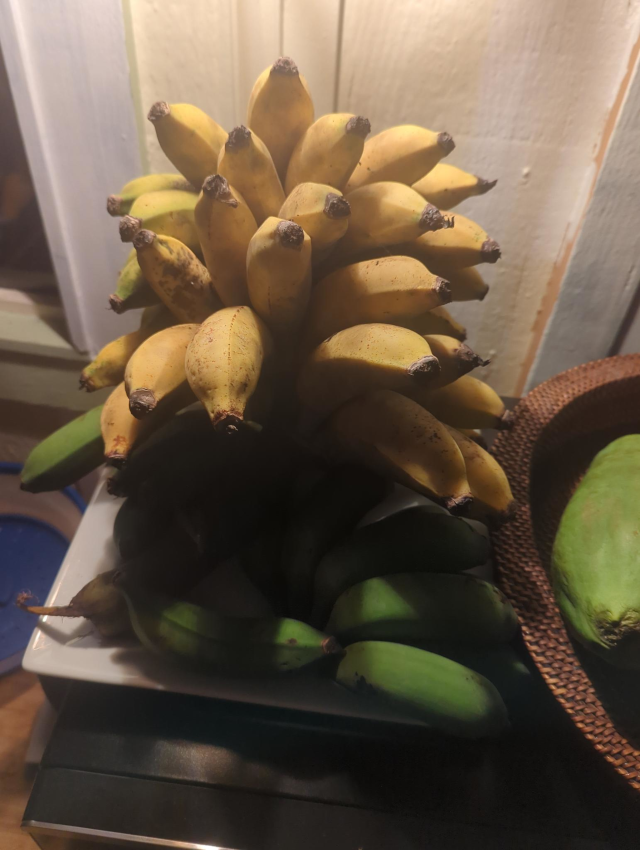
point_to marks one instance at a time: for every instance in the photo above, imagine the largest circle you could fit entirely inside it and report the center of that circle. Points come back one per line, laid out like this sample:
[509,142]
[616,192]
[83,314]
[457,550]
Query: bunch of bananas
[293,281]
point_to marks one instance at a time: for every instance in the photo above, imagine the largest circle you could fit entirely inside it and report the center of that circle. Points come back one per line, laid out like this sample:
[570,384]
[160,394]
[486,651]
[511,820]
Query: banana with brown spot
[321,211]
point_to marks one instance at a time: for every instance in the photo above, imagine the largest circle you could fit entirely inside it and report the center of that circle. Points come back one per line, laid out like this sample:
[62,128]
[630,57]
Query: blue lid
[32,552]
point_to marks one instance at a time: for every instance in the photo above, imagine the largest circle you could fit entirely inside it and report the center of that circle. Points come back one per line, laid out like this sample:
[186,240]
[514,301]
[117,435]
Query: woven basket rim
[560,668]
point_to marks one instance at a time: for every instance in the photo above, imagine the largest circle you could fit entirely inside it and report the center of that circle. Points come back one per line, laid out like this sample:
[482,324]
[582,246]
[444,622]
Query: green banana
[120,204]
[132,290]
[411,607]
[136,527]
[418,539]
[65,456]
[427,687]
[237,646]
[334,506]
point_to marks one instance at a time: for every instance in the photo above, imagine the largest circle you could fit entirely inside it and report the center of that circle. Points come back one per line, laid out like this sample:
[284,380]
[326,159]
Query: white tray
[72,649]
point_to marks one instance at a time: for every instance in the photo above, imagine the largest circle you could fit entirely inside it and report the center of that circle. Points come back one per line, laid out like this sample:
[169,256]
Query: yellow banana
[391,434]
[404,153]
[363,358]
[280,110]
[225,226]
[156,368]
[466,403]
[279,273]
[120,430]
[492,497]
[387,213]
[455,359]
[464,244]
[132,290]
[437,321]
[328,151]
[168,213]
[246,163]
[176,275]
[107,367]
[224,361]
[466,284]
[321,211]
[189,137]
[390,290]
[120,204]
[446,186]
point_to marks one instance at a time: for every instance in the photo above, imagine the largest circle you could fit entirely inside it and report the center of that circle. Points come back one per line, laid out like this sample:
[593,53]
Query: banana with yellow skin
[446,186]
[321,211]
[455,358]
[169,213]
[120,204]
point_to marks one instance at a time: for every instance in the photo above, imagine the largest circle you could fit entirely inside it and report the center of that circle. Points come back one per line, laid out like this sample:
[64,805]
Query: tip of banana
[425,369]
[128,227]
[143,238]
[459,505]
[239,137]
[358,125]
[114,203]
[485,185]
[432,219]
[330,646]
[490,251]
[142,402]
[159,110]
[290,234]
[115,303]
[445,141]
[285,66]
[506,421]
[443,290]
[336,206]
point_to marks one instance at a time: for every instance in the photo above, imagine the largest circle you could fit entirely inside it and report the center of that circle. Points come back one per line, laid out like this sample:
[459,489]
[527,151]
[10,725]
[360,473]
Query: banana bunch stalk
[294,274]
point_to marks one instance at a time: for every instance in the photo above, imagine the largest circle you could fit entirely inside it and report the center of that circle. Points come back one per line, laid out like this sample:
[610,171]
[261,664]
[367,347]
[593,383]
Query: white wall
[527,89]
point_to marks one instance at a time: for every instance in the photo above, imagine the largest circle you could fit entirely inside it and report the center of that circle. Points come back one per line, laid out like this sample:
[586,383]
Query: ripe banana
[424,686]
[132,290]
[362,358]
[223,363]
[423,538]
[225,226]
[107,367]
[387,213]
[168,213]
[390,289]
[409,607]
[492,496]
[156,369]
[328,151]
[455,359]
[466,284]
[246,163]
[65,456]
[321,211]
[390,434]
[257,646]
[466,403]
[446,186]
[279,273]
[176,275]
[438,320]
[318,521]
[280,110]
[404,154]
[189,138]
[120,204]
[464,244]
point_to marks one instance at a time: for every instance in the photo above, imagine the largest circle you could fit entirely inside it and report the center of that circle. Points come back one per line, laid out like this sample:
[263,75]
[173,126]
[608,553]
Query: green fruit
[65,456]
[239,646]
[424,606]
[418,539]
[331,510]
[595,563]
[445,695]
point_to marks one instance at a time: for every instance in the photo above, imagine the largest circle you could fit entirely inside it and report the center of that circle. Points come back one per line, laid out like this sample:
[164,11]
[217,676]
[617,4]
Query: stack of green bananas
[293,278]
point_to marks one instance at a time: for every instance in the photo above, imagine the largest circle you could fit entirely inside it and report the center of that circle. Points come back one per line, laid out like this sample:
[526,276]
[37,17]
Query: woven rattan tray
[557,430]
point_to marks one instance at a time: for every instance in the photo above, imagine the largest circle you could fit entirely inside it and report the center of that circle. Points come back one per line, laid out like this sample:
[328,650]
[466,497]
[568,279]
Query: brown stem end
[505,423]
[143,239]
[432,219]
[128,227]
[239,138]
[159,110]
[86,383]
[336,206]
[445,141]
[285,66]
[459,505]
[483,186]
[358,125]
[443,290]
[217,187]
[490,251]
[424,369]
[114,205]
[142,402]
[330,646]
[290,235]
[227,423]
[116,303]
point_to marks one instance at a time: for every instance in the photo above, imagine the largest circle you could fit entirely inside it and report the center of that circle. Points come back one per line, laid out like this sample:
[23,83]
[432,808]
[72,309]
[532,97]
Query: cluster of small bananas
[327,262]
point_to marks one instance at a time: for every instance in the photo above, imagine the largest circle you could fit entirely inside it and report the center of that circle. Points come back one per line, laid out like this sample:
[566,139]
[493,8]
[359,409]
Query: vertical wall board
[67,65]
[526,90]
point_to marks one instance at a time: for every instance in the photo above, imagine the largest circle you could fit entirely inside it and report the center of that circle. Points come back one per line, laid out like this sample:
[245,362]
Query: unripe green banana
[424,686]
[411,607]
[120,204]
[190,139]
[328,151]
[418,539]
[132,290]
[280,110]
[333,507]
[168,213]
[246,163]
[65,456]
[239,646]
